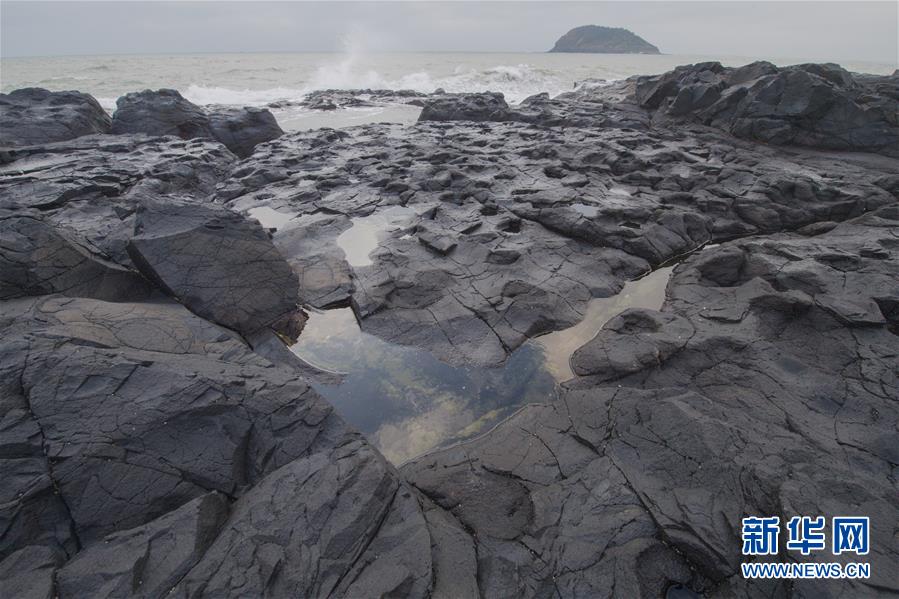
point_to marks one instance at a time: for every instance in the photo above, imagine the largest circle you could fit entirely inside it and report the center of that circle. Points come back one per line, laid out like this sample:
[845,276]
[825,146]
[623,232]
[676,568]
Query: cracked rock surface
[767,384]
[157,439]
[37,116]
[519,225]
[166,112]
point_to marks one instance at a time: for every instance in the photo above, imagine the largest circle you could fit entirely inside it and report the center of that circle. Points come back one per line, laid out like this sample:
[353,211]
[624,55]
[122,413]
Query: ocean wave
[206,95]
[515,82]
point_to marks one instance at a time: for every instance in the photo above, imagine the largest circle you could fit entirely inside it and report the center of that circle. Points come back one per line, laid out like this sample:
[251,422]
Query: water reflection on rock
[647,292]
[408,402]
[270,218]
[363,237]
[405,400]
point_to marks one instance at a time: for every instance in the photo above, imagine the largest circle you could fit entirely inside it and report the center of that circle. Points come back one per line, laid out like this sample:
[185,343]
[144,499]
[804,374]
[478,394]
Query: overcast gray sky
[807,30]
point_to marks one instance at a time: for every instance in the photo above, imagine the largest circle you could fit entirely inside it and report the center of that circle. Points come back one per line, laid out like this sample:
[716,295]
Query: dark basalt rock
[166,112]
[466,107]
[37,258]
[220,265]
[634,340]
[33,116]
[242,129]
[821,106]
[161,112]
[603,40]
[335,99]
[92,185]
[156,448]
[149,560]
[520,225]
[761,391]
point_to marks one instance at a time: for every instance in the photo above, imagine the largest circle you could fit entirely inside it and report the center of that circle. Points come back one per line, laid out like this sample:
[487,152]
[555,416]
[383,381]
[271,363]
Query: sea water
[262,79]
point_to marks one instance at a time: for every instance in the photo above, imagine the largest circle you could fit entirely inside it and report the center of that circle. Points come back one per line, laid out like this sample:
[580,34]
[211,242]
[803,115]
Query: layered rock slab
[37,258]
[518,226]
[771,390]
[156,449]
[92,186]
[815,105]
[167,112]
[34,115]
[219,264]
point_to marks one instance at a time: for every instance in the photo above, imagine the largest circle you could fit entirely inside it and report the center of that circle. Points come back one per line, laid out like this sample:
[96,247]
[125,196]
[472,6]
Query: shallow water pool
[408,402]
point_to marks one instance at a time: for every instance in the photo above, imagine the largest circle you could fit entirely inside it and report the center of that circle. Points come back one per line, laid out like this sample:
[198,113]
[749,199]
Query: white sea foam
[515,82]
[204,95]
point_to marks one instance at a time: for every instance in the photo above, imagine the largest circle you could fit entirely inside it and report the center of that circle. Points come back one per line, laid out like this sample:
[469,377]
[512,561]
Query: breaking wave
[515,82]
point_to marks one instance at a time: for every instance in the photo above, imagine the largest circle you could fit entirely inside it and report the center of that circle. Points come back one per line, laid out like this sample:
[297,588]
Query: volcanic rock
[37,258]
[161,112]
[742,396]
[166,112]
[242,129]
[33,116]
[219,264]
[822,106]
[466,107]
[154,447]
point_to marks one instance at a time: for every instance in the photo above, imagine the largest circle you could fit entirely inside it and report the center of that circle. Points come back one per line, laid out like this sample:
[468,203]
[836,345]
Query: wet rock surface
[815,105]
[147,449]
[217,263]
[36,116]
[770,391]
[242,129]
[519,226]
[334,99]
[166,112]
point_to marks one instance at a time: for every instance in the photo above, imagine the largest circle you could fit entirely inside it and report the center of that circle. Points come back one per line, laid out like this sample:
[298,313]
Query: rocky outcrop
[166,112]
[753,393]
[466,107]
[334,99]
[822,106]
[37,258]
[93,185]
[158,439]
[36,116]
[161,112]
[156,449]
[220,265]
[242,129]
[146,449]
[507,245]
[603,40]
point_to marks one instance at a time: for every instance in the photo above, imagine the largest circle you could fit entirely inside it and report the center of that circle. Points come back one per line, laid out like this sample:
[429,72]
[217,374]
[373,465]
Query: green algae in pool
[407,402]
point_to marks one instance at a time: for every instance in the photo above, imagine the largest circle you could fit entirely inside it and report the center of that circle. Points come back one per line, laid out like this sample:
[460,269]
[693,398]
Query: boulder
[242,129]
[166,112]
[33,116]
[38,258]
[816,105]
[219,264]
[161,112]
[488,106]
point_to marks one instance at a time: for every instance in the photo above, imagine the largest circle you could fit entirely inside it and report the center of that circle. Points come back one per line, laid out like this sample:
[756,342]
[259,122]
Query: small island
[603,40]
